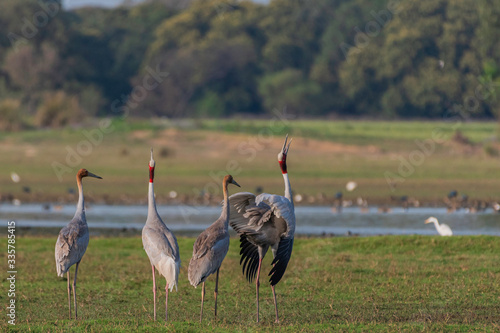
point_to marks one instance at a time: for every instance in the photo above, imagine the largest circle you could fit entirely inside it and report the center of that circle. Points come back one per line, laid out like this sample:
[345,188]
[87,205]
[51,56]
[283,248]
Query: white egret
[442,229]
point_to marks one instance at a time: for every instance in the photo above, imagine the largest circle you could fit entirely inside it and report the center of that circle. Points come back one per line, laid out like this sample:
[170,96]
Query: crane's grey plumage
[160,245]
[211,248]
[73,240]
[265,221]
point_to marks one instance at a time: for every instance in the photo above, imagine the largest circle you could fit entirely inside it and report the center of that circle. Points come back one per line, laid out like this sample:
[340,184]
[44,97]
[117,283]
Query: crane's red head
[282,155]
[151,168]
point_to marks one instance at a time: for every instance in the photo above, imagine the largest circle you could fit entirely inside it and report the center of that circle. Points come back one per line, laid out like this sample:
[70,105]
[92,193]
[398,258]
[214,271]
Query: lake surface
[310,220]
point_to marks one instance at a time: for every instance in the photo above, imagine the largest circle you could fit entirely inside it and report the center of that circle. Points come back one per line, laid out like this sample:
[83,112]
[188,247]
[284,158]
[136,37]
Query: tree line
[217,58]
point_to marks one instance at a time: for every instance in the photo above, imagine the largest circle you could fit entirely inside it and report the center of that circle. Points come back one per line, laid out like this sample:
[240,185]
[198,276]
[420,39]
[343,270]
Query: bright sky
[69,4]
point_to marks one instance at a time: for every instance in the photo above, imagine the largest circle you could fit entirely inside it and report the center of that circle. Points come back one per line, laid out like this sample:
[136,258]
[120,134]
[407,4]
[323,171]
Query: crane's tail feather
[280,261]
[249,258]
[170,270]
[60,271]
[194,274]
[62,267]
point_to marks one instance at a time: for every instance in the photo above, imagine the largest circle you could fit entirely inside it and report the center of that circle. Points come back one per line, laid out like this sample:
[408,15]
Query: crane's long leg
[202,300]
[154,293]
[216,290]
[257,284]
[69,296]
[166,302]
[275,305]
[74,289]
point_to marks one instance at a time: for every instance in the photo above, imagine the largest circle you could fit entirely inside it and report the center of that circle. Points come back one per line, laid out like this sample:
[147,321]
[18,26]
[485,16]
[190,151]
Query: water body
[316,220]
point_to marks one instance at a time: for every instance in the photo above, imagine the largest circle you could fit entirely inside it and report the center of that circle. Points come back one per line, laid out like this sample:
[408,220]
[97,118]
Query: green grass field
[387,283]
[360,132]
[193,155]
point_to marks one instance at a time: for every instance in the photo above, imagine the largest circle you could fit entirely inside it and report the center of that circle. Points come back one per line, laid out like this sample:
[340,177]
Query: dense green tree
[489,53]
[112,42]
[208,50]
[178,58]
[289,88]
[424,64]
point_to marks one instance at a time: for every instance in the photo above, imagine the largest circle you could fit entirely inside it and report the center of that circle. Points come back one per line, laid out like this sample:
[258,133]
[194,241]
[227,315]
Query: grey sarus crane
[265,221]
[210,249]
[160,245]
[73,240]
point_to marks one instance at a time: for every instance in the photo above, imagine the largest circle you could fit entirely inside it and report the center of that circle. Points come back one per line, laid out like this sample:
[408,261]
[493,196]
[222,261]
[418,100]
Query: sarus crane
[73,240]
[210,249]
[160,245]
[264,221]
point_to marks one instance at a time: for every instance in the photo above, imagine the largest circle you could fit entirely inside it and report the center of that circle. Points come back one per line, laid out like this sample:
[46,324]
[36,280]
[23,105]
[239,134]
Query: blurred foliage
[57,109]
[216,58]
[11,119]
[289,87]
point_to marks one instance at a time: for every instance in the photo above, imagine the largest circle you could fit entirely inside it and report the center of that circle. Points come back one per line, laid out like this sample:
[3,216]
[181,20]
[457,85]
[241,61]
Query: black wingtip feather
[252,270]
[249,258]
[245,262]
[280,261]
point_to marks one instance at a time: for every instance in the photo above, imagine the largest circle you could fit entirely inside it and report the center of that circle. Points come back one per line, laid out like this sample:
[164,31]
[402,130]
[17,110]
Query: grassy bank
[390,134]
[193,156]
[390,283]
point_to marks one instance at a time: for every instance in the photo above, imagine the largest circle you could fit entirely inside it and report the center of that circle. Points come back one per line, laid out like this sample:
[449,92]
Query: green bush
[491,150]
[10,115]
[58,109]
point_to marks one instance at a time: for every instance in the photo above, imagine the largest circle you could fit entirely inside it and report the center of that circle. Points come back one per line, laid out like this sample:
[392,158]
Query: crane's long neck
[225,206]
[151,195]
[288,188]
[80,206]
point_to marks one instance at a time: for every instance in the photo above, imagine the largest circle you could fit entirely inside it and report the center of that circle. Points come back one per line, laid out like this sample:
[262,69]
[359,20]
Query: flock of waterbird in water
[262,222]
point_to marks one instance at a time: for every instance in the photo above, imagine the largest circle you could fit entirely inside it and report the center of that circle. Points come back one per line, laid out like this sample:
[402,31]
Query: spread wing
[250,213]
[238,204]
[251,217]
[281,207]
[243,213]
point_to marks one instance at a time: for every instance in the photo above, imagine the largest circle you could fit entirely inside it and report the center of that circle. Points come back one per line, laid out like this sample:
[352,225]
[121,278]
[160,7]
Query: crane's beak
[285,148]
[90,174]
[235,183]
[152,161]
